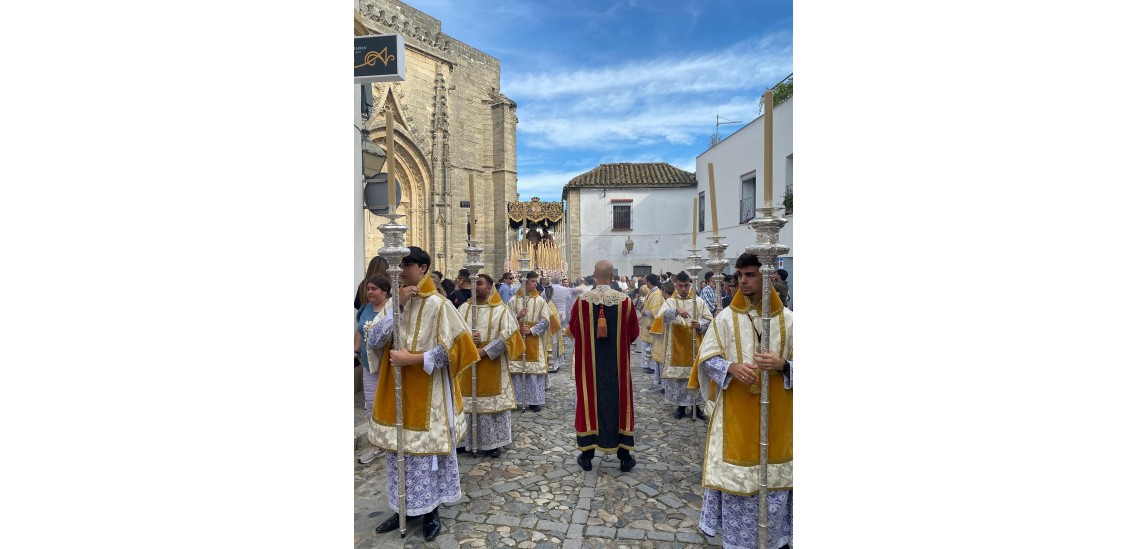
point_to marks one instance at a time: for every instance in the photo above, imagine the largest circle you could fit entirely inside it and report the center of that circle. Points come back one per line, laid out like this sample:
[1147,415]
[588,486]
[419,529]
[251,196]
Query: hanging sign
[380,58]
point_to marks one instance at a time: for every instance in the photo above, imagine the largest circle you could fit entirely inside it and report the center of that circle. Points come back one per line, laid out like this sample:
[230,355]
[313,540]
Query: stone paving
[537,497]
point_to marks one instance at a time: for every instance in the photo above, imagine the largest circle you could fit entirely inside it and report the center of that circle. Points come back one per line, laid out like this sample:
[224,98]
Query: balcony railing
[747,210]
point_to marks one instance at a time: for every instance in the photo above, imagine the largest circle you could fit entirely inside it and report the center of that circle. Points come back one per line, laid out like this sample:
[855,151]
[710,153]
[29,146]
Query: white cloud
[547,185]
[752,63]
[662,101]
[681,123]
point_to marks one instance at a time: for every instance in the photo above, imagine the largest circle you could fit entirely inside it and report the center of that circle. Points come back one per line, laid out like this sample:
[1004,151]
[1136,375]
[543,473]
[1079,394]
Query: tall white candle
[713,199]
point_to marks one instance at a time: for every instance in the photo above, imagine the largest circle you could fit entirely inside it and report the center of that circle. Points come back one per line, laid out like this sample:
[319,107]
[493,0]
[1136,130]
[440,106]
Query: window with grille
[748,197]
[622,217]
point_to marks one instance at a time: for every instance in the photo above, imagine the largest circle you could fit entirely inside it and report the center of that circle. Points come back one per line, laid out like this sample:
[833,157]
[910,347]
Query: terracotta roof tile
[633,174]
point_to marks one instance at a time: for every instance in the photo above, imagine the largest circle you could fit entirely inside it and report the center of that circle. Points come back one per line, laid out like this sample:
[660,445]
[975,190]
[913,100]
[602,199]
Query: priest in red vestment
[603,324]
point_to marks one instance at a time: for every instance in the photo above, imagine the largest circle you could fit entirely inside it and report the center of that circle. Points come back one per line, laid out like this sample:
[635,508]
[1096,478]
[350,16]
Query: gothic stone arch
[414,175]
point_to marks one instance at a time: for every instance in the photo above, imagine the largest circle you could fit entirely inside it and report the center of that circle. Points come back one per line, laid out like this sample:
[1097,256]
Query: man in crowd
[431,403]
[506,287]
[684,318]
[727,290]
[603,324]
[708,293]
[461,293]
[528,369]
[563,299]
[495,333]
[728,369]
[780,280]
[652,304]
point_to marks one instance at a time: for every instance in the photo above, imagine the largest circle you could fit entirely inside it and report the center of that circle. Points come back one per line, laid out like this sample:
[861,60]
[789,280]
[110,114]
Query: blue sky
[623,81]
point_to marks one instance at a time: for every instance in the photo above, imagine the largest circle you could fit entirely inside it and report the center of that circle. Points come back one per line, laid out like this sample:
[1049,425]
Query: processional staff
[394,251]
[473,264]
[767,249]
[695,266]
[523,269]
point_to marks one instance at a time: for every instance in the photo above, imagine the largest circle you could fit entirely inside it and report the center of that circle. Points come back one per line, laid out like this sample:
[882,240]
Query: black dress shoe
[680,413]
[535,408]
[431,525]
[497,452]
[584,462]
[393,524]
[628,464]
[388,525]
[699,413]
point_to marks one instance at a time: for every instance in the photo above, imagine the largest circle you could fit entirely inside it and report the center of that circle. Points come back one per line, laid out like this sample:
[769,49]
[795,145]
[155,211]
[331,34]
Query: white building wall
[740,154]
[661,229]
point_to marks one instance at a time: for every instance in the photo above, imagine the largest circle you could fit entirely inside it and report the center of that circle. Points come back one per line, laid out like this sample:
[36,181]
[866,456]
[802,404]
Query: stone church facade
[451,122]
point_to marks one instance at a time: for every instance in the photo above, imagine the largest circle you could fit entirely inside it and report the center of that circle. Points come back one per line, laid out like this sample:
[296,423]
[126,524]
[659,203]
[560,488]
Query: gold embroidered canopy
[546,215]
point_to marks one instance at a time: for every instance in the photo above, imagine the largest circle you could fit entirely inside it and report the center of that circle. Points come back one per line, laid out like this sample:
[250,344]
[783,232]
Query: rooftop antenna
[716,137]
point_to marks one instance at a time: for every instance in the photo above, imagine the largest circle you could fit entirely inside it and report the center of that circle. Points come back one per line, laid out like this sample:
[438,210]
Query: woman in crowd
[377,266]
[378,292]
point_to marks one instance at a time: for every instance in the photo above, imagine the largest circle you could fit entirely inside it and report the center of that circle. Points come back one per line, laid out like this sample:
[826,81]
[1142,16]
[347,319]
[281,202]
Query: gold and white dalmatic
[681,340]
[732,451]
[495,391]
[431,402]
[537,309]
[652,305]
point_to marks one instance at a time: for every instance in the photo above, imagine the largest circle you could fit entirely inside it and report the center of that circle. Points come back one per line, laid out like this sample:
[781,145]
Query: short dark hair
[382,282]
[417,256]
[486,277]
[709,275]
[668,287]
[507,275]
[531,275]
[682,277]
[728,279]
[784,274]
[465,273]
[747,260]
[436,273]
[653,279]
[589,280]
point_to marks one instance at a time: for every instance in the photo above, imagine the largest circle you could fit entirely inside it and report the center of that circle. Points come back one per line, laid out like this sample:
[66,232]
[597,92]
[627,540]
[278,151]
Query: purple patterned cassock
[734,516]
[530,389]
[493,429]
[676,391]
[431,480]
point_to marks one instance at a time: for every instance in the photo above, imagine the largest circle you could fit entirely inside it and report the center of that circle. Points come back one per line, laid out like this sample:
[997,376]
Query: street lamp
[375,194]
[629,245]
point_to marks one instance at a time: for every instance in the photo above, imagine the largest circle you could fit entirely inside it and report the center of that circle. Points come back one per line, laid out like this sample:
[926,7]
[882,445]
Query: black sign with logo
[380,58]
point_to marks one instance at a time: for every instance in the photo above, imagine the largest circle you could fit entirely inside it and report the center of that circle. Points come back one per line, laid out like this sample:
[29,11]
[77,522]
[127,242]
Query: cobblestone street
[536,495]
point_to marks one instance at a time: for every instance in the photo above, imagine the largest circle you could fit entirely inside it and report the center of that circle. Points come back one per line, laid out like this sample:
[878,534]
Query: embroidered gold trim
[603,295]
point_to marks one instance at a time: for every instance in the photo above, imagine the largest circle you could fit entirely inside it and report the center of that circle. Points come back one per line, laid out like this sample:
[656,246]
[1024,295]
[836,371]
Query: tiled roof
[633,174]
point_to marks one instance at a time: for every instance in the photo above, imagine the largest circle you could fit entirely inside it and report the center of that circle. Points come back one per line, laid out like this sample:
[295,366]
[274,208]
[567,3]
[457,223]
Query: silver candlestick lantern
[767,248]
[717,264]
[474,264]
[394,251]
[523,269]
[695,267]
